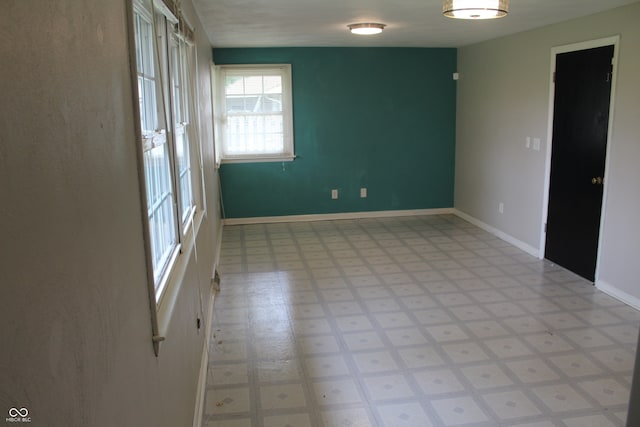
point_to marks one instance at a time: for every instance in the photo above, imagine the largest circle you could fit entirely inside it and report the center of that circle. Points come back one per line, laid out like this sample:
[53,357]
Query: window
[163,81]
[180,83]
[254,112]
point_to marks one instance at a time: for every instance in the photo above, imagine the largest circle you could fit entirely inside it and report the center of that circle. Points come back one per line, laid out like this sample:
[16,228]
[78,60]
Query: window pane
[254,113]
[272,103]
[184,173]
[176,82]
[148,114]
[145,69]
[253,85]
[234,85]
[180,84]
[251,104]
[273,84]
[255,134]
[160,207]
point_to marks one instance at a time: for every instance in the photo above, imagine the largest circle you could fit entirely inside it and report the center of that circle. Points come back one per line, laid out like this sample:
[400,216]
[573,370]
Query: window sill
[260,159]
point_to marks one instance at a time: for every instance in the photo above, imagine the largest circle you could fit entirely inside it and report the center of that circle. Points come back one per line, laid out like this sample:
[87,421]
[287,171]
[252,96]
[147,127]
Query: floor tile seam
[587,353]
[594,405]
[491,422]
[361,302]
[560,416]
[604,371]
[402,310]
[335,328]
[530,347]
[228,417]
[373,422]
[456,370]
[437,421]
[560,380]
[305,378]
[503,321]
[529,393]
[420,403]
[262,413]
[471,337]
[352,367]
[546,354]
[615,339]
[252,374]
[521,419]
[615,421]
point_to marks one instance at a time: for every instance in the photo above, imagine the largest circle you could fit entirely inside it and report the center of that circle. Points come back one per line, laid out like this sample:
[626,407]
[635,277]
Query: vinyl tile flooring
[409,321]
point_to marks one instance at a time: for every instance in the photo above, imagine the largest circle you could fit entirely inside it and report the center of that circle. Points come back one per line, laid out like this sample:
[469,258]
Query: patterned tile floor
[417,321]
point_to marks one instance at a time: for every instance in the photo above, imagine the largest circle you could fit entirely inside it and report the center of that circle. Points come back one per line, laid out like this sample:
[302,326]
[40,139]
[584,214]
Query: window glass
[163,95]
[256,121]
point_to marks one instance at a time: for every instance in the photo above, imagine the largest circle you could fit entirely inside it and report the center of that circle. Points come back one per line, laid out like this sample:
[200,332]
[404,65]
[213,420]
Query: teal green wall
[381,118]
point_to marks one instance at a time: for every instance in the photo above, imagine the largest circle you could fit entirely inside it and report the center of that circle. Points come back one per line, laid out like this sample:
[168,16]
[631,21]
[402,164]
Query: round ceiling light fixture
[366,28]
[475,9]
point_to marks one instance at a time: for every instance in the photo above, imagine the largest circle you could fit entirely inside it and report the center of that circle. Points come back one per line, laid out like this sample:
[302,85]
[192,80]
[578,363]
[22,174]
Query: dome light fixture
[475,9]
[366,28]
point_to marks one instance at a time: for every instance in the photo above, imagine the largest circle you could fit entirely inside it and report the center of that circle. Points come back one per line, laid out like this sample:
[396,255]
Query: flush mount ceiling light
[475,9]
[366,28]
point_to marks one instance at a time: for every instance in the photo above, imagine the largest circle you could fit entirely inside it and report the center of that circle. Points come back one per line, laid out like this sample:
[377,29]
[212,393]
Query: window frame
[167,71]
[221,116]
[182,126]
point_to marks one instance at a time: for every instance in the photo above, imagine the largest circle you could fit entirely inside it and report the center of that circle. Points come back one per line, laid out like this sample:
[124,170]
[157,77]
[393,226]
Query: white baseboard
[208,330]
[616,293]
[204,364]
[500,234]
[336,216]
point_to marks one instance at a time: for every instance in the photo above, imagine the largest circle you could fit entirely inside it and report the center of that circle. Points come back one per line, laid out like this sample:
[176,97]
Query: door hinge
[608,77]
[554,76]
[545,227]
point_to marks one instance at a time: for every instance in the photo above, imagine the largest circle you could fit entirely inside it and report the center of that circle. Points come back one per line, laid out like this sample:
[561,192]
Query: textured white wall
[503,97]
[75,326]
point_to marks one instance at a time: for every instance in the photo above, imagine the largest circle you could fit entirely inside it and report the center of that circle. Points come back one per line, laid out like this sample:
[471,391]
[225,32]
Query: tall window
[179,83]
[254,112]
[163,70]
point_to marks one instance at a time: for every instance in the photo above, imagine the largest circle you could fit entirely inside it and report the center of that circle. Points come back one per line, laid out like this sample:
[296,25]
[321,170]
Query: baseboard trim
[204,364]
[616,293]
[208,330]
[336,216]
[500,234]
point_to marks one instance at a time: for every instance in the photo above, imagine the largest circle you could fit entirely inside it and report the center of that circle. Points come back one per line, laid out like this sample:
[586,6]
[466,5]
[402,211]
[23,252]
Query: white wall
[503,97]
[75,330]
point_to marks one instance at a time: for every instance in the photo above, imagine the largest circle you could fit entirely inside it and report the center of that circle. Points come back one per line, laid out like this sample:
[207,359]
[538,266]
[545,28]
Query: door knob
[596,180]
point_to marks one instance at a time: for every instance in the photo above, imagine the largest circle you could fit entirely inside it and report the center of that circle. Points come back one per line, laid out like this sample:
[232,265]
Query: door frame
[556,50]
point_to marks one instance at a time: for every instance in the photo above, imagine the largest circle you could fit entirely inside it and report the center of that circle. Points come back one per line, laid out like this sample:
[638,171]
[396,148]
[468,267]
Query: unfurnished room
[340,213]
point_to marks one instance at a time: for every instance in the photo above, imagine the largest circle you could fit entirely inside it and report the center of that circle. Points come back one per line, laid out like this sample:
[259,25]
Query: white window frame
[221,117]
[172,114]
[181,99]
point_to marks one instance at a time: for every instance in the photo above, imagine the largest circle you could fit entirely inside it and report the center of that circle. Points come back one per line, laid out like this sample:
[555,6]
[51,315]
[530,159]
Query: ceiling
[410,23]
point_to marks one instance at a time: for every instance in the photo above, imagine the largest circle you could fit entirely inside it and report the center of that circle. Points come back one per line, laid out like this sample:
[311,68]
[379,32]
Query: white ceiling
[410,23]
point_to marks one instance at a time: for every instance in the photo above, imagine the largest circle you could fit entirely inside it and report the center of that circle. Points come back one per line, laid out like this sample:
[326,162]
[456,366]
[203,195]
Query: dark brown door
[580,125]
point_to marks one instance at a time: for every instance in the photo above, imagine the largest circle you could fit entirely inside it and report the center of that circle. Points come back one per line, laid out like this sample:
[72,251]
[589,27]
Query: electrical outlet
[334,194]
[363,193]
[501,207]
